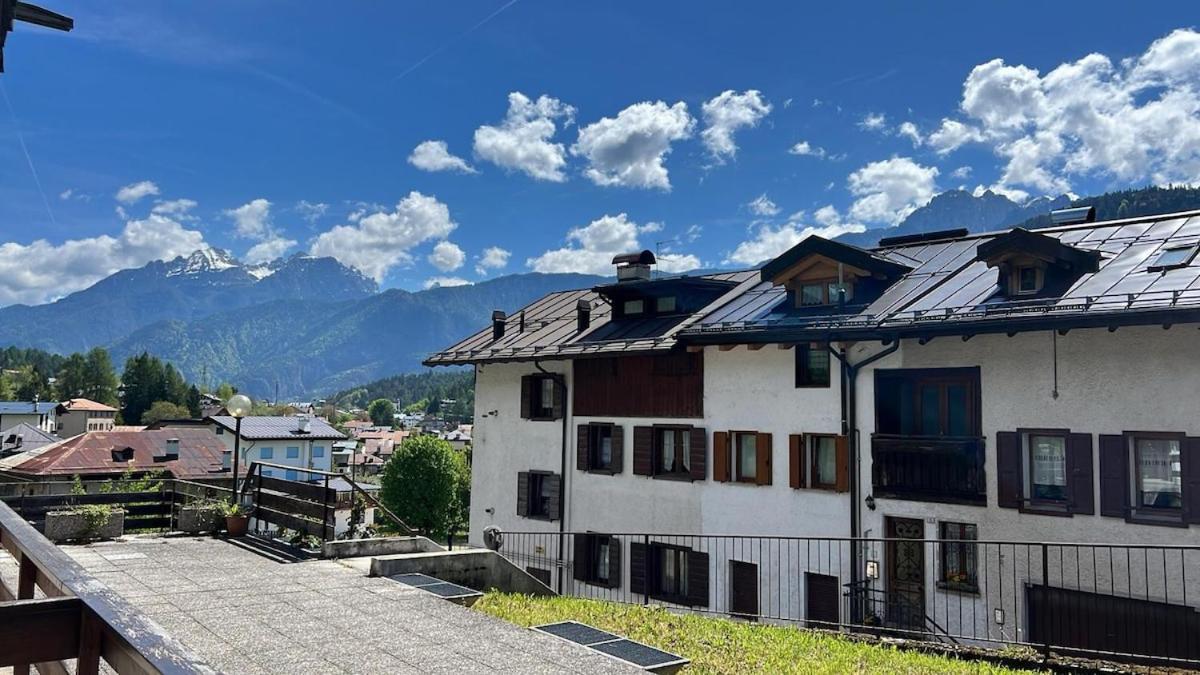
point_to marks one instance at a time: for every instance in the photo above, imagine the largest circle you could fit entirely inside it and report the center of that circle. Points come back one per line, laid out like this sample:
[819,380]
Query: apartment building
[1019,386]
[297,443]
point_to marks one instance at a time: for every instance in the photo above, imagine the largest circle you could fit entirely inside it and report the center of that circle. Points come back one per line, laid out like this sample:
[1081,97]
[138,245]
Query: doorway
[905,560]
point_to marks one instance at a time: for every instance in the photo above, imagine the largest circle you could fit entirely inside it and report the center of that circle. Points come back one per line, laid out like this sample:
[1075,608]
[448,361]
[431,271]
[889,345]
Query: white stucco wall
[251,450]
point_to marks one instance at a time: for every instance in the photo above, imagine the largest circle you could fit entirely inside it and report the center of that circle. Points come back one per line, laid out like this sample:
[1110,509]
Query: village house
[940,389]
[188,453]
[80,415]
[299,443]
[24,437]
[38,414]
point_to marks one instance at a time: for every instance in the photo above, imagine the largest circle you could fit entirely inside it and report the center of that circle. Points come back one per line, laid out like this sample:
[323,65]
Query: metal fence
[1113,601]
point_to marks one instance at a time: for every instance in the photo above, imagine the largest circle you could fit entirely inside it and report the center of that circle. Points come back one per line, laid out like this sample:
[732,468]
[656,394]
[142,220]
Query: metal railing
[930,467]
[1108,601]
[78,618]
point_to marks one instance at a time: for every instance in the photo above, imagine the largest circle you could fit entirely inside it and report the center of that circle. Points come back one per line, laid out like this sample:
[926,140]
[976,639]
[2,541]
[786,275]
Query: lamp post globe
[238,405]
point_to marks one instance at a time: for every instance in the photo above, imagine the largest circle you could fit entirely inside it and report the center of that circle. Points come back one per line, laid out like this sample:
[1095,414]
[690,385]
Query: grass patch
[717,645]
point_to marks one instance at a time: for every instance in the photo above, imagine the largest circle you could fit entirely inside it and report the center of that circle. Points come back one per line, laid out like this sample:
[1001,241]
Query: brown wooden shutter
[618,449]
[698,466]
[721,456]
[796,460]
[579,566]
[581,447]
[557,401]
[823,597]
[697,579]
[527,396]
[1190,468]
[842,445]
[1114,476]
[762,472]
[743,586]
[643,451]
[637,568]
[1008,470]
[1080,477]
[555,487]
[614,562]
[523,493]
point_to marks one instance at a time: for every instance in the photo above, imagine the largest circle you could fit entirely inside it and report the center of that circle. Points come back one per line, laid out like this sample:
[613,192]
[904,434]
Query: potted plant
[200,516]
[237,519]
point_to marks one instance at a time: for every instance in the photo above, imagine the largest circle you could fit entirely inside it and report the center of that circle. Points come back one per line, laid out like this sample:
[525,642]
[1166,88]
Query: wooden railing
[78,618]
[929,468]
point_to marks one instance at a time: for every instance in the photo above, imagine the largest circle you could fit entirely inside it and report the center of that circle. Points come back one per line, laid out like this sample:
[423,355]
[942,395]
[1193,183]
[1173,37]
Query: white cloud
[890,189]
[771,240]
[269,249]
[435,156]
[41,271]
[1134,121]
[445,282]
[763,206]
[952,135]
[804,148]
[629,149]
[522,141]
[382,240]
[492,258]
[591,248]
[178,208]
[66,194]
[961,172]
[873,122]
[447,256]
[252,219]
[311,211]
[910,131]
[725,114]
[136,191]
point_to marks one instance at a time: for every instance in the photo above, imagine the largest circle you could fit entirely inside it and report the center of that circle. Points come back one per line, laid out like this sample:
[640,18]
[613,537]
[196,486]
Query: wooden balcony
[946,469]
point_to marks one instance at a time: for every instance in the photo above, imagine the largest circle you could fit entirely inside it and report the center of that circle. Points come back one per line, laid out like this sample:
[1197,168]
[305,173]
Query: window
[539,495]
[541,398]
[1046,478]
[1028,279]
[812,294]
[1172,258]
[293,453]
[665,305]
[672,451]
[827,292]
[318,451]
[1158,481]
[290,474]
[600,447]
[746,454]
[671,580]
[267,473]
[598,559]
[812,366]
[959,562]
[823,453]
[267,453]
[633,307]
[220,430]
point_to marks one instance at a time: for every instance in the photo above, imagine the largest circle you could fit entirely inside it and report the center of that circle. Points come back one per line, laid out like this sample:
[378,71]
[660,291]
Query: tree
[420,485]
[382,412]
[225,391]
[164,410]
[193,401]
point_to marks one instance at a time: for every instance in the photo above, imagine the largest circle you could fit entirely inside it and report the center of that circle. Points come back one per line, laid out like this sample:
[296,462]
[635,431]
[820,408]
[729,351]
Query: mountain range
[309,325]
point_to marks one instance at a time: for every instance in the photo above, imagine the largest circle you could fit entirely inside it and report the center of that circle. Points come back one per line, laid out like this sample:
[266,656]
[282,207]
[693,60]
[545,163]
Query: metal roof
[27,407]
[273,427]
[551,330]
[92,453]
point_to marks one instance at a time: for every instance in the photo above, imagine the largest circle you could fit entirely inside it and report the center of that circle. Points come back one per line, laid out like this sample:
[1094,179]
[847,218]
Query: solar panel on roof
[578,633]
[414,579]
[639,654]
[445,589]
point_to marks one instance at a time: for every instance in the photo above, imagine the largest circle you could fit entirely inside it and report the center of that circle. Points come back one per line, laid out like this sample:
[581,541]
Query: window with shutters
[538,496]
[600,447]
[1045,475]
[670,581]
[959,557]
[672,451]
[598,559]
[746,456]
[822,452]
[1046,471]
[543,398]
[819,462]
[812,366]
[1157,474]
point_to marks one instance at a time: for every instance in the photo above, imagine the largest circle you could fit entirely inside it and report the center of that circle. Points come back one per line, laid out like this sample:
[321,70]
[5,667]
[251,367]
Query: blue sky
[718,133]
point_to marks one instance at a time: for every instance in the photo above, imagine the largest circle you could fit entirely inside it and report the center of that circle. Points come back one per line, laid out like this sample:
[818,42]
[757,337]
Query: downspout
[850,373]
[561,380]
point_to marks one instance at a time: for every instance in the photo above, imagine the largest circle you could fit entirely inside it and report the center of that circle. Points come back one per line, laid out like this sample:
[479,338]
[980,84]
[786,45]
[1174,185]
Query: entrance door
[906,574]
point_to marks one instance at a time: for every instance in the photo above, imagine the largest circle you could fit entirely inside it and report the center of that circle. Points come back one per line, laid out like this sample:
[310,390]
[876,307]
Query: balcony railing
[929,468]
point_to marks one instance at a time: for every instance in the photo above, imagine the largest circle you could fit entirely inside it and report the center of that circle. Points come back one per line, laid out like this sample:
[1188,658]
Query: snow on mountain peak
[203,260]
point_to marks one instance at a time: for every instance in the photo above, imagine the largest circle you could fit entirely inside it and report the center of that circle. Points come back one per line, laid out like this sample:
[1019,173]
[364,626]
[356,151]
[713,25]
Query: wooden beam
[785,345]
[726,348]
[36,631]
[755,347]
[695,349]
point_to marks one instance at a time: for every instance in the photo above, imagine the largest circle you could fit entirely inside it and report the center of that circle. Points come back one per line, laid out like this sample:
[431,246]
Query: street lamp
[238,405]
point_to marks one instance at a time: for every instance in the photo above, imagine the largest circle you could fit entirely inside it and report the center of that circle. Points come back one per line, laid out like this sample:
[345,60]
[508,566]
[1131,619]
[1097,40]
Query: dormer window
[631,307]
[820,274]
[1035,265]
[826,292]
[1027,280]
[665,305]
[1173,258]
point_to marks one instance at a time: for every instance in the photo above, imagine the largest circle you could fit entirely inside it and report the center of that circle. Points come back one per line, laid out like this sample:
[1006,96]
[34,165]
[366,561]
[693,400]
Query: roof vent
[498,318]
[1074,216]
[304,424]
[634,266]
[583,313]
[170,452]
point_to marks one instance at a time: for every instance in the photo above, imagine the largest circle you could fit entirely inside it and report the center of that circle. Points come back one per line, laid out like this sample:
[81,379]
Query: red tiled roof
[86,404]
[200,453]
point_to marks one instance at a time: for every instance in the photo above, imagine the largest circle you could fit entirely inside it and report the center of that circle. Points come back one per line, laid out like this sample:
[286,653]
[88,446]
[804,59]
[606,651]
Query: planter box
[198,520]
[67,526]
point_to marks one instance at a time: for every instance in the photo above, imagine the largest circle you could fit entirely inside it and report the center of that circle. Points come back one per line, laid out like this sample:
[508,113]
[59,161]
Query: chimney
[583,313]
[634,266]
[304,424]
[498,318]
[172,449]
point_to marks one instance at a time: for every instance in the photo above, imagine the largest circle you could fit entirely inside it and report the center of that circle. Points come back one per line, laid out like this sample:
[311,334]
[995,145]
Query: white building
[39,414]
[81,415]
[879,421]
[300,442]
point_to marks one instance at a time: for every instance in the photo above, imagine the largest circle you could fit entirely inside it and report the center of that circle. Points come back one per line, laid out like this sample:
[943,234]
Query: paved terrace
[246,614]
